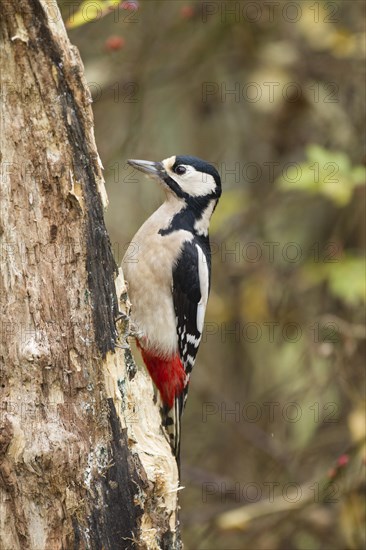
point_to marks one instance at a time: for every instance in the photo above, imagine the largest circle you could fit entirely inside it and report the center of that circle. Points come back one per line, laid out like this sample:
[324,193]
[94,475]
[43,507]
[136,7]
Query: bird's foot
[134,331]
[123,346]
[122,316]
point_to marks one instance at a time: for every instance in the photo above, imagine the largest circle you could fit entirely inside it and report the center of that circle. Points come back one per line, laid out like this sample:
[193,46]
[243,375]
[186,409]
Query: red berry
[132,5]
[187,12]
[343,460]
[114,43]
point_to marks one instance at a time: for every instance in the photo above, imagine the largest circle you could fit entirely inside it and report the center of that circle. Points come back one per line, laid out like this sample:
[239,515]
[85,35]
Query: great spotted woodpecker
[169,278]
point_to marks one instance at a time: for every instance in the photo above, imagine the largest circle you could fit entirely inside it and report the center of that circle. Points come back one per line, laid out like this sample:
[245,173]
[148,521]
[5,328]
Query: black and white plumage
[169,279]
[191,284]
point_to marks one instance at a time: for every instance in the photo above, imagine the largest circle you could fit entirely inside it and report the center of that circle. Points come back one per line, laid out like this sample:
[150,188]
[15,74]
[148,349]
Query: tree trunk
[84,462]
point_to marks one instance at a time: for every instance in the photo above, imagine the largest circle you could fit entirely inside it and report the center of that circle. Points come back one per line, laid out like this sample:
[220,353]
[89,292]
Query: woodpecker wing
[191,283]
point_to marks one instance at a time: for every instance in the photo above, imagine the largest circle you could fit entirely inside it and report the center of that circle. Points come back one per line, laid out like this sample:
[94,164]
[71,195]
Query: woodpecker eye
[180,170]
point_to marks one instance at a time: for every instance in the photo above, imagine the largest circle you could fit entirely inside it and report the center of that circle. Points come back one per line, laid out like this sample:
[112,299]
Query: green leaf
[91,10]
[346,278]
[329,173]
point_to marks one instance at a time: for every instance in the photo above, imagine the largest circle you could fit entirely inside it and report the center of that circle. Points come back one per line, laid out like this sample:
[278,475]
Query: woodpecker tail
[171,380]
[172,423]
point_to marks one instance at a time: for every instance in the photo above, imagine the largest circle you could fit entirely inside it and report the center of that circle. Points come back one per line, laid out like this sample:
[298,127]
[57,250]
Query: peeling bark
[84,462]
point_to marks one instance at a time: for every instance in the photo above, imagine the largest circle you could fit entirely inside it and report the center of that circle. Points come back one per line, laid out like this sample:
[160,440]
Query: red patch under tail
[168,375]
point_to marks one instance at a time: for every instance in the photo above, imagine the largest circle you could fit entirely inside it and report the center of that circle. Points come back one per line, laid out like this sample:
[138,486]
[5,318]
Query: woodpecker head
[185,177]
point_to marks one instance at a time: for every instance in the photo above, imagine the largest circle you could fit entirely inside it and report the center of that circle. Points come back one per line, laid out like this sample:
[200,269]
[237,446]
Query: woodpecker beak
[149,168]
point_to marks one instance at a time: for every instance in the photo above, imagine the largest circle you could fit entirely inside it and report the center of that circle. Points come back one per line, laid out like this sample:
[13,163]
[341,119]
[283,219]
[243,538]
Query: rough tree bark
[83,459]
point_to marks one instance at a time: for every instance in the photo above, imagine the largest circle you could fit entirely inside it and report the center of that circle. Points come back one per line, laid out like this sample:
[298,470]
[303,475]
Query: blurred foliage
[326,172]
[90,11]
[273,93]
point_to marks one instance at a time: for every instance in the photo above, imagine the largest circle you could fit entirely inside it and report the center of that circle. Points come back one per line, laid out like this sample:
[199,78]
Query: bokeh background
[272,93]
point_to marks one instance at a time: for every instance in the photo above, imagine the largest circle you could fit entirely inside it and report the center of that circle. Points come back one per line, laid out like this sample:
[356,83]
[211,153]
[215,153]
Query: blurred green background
[273,93]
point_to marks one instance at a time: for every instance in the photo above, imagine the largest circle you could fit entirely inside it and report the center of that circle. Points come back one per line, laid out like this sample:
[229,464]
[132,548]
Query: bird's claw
[134,331]
[122,316]
[123,346]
